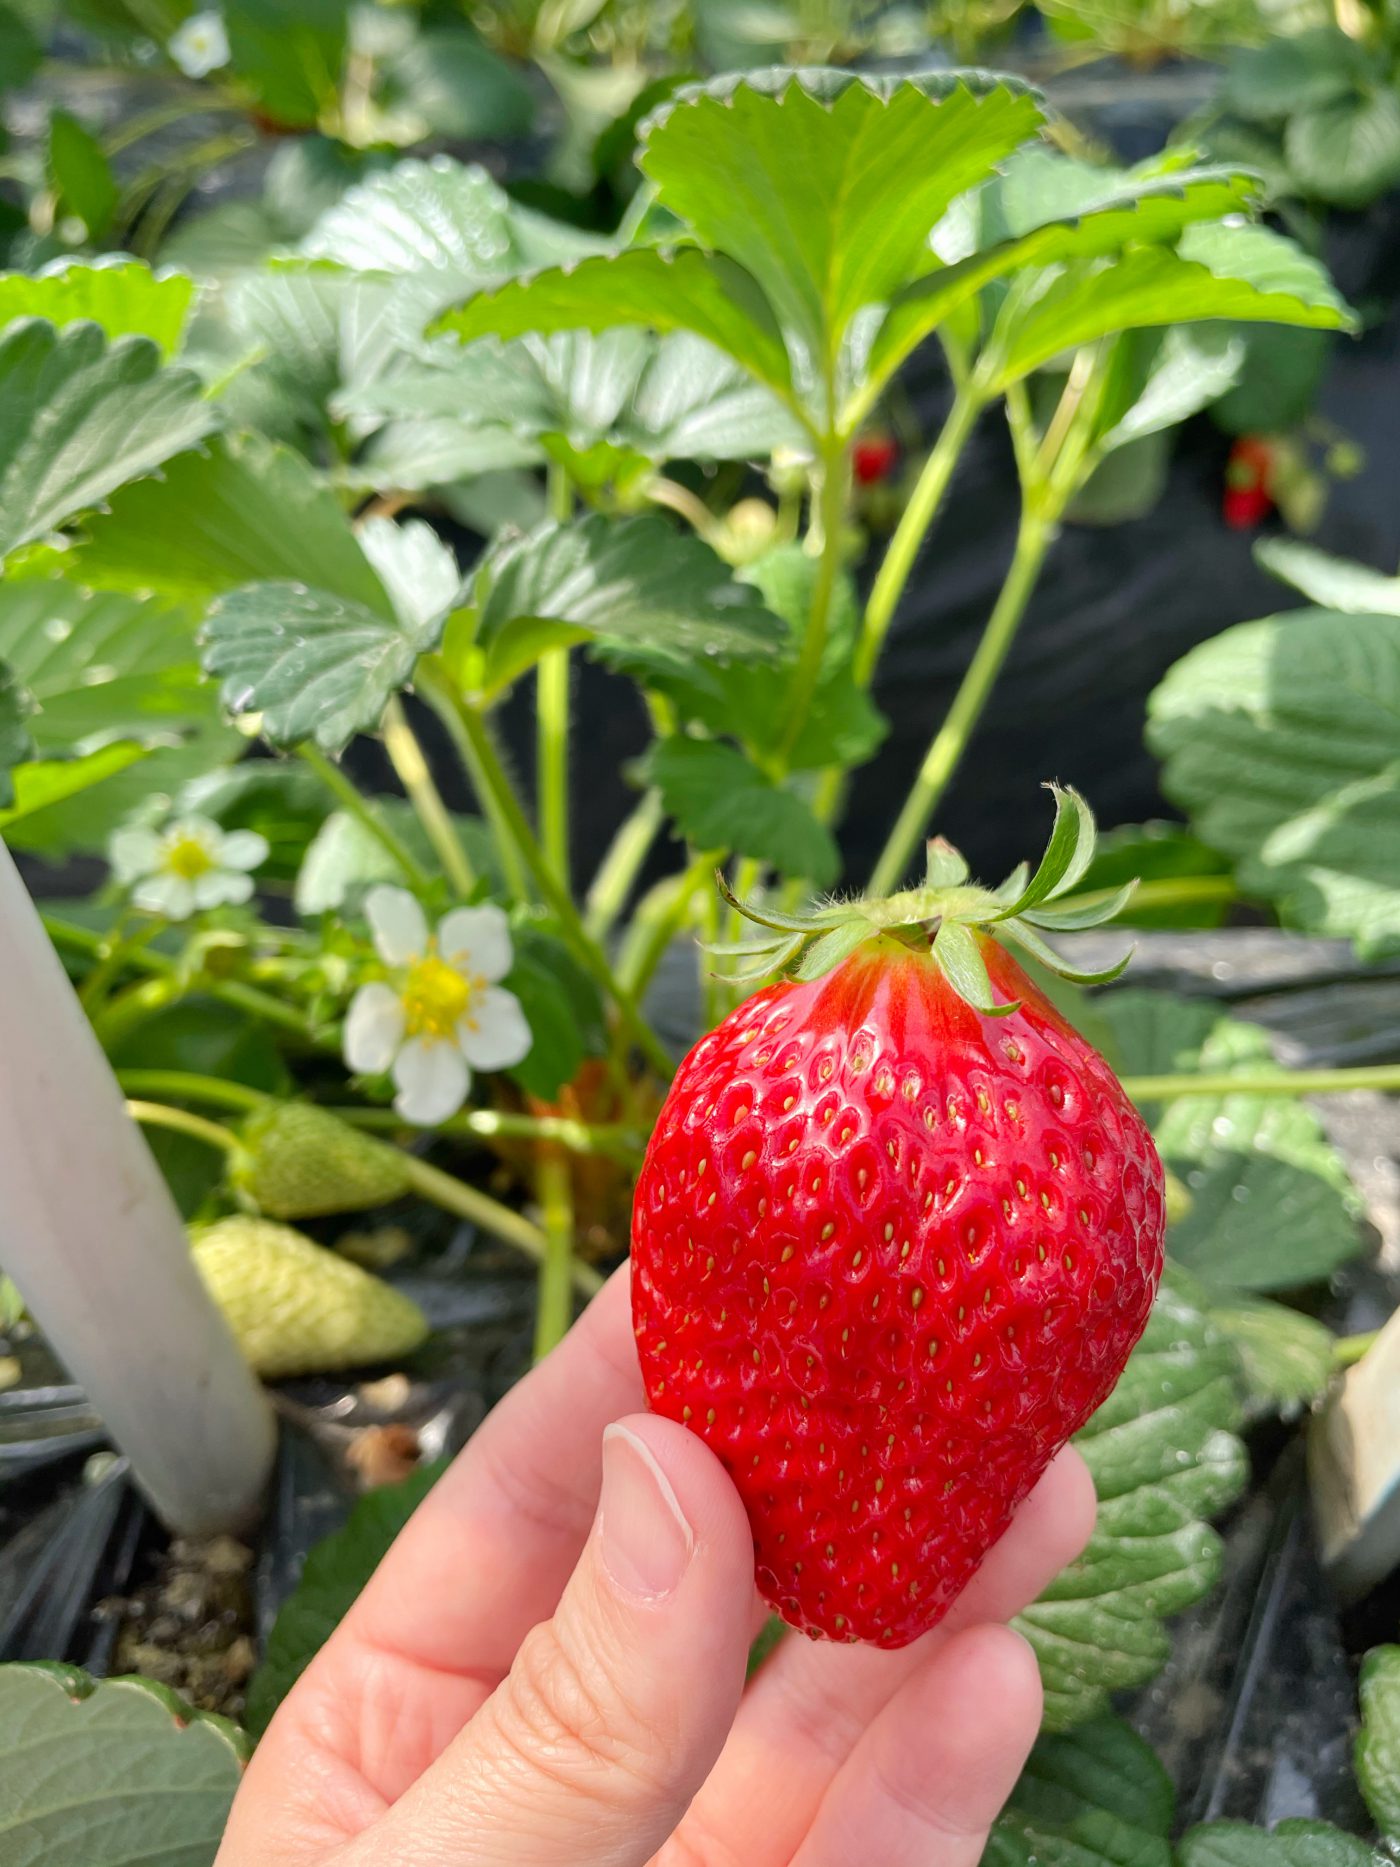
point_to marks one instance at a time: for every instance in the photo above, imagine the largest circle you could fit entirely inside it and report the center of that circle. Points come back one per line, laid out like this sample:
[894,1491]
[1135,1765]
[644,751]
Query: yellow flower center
[188,858]
[435,995]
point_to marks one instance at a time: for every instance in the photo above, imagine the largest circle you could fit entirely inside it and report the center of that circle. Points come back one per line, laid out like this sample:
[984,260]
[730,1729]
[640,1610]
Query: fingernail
[645,1540]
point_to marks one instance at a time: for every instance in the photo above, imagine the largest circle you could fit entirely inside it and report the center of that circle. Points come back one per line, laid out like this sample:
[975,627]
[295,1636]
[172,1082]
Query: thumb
[588,1753]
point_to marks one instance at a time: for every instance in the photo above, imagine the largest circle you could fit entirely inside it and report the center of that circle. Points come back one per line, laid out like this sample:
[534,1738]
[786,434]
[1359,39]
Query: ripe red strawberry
[1249,483]
[873,457]
[889,1253]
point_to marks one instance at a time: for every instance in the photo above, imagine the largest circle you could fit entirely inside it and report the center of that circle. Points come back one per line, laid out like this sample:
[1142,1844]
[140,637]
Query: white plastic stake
[92,1238]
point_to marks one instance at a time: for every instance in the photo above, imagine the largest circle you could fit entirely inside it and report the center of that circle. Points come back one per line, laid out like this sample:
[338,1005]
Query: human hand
[537,1678]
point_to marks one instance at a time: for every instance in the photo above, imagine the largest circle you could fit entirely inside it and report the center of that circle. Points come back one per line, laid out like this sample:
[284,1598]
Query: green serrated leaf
[343,859]
[1153,286]
[687,290]
[721,801]
[313,331]
[241,510]
[21,54]
[16,745]
[1278,739]
[1346,151]
[630,585]
[1191,369]
[561,1006]
[115,1771]
[1290,1844]
[80,174]
[78,418]
[1330,582]
[1378,1741]
[42,785]
[1297,71]
[1094,1797]
[662,398]
[102,666]
[1153,210]
[291,63]
[1163,1453]
[312,664]
[333,1575]
[824,187]
[121,296]
[1272,1206]
[439,216]
[1285,1357]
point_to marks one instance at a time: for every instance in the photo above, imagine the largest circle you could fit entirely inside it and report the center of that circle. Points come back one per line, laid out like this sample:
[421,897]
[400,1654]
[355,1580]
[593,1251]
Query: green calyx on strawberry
[945,912]
[897,1231]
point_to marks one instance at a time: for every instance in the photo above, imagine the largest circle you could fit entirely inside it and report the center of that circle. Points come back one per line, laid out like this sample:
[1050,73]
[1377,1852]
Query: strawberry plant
[314,564]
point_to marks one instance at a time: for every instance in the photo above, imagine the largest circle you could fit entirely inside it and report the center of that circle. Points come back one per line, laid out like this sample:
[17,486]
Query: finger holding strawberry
[898,1229]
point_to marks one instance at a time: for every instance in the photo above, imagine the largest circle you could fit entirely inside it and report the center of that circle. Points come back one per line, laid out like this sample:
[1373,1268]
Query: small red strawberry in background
[1249,483]
[874,457]
[896,1234]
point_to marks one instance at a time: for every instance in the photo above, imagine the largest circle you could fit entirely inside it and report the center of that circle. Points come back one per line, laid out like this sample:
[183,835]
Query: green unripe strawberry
[297,1308]
[301,1162]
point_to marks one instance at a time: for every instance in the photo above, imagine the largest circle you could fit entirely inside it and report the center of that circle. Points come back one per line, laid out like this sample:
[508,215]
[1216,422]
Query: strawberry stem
[1384,1076]
[182,1121]
[362,810]
[554,1309]
[414,774]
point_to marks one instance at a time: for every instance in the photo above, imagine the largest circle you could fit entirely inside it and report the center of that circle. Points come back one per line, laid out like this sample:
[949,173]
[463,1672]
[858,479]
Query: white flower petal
[200,45]
[195,829]
[494,1034]
[397,923]
[219,886]
[134,852]
[164,894]
[373,1029]
[476,941]
[432,1080]
[243,849]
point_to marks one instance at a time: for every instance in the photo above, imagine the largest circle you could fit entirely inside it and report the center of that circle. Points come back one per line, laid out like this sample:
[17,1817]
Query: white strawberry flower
[200,45]
[440,1014]
[191,864]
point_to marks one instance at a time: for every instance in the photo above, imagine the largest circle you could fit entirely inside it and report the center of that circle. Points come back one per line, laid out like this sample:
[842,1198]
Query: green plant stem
[613,1139]
[1383,1076]
[189,1085]
[831,503]
[455,1196]
[438,689]
[181,1121]
[950,742]
[158,966]
[119,945]
[656,930]
[554,1309]
[903,548]
[364,812]
[1167,891]
[1347,1350]
[555,896]
[552,717]
[552,759]
[411,767]
[620,867]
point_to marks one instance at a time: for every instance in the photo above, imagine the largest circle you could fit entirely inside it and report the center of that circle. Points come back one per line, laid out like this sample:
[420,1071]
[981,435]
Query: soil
[190,1623]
